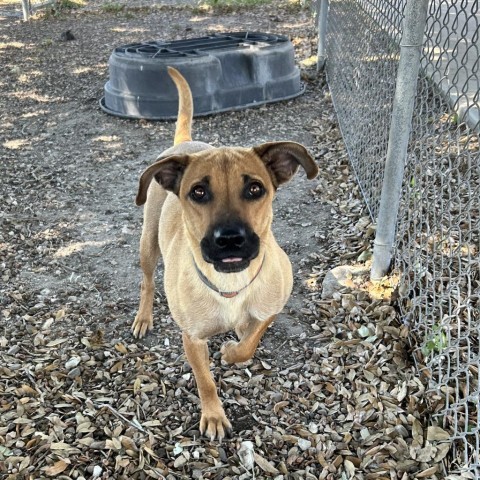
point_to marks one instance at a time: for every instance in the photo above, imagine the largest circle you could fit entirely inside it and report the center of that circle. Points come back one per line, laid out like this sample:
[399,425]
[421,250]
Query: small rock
[179,461]
[304,444]
[313,427]
[340,278]
[246,455]
[74,373]
[13,350]
[72,363]
[97,471]
[181,382]
[223,455]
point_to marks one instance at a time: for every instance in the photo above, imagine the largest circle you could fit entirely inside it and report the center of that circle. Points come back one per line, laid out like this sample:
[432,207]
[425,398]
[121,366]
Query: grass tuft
[230,5]
[113,8]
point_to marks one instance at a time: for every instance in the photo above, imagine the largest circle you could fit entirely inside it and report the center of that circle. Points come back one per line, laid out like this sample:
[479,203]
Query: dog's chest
[232,312]
[226,314]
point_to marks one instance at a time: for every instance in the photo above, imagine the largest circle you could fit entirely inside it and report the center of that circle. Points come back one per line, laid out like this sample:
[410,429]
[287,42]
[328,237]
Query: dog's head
[226,196]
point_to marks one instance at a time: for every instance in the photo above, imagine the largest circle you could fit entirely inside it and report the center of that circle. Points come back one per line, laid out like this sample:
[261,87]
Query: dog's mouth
[230,247]
[231,264]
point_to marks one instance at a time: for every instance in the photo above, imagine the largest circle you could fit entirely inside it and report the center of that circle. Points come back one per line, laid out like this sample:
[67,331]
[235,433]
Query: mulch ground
[331,393]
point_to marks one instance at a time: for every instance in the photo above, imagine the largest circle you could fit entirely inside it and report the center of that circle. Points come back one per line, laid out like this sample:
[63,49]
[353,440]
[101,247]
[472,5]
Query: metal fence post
[322,33]
[400,126]
[26,10]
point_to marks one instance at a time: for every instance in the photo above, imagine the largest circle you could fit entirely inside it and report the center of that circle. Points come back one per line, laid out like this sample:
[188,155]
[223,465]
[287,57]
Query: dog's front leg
[149,255]
[213,420]
[250,336]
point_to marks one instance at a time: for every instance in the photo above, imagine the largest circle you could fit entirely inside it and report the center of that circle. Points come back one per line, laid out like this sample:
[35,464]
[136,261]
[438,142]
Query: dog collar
[209,284]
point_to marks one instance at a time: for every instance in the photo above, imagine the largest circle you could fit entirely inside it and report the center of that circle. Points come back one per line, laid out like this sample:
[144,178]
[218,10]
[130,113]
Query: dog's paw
[141,325]
[229,352]
[215,425]
[233,352]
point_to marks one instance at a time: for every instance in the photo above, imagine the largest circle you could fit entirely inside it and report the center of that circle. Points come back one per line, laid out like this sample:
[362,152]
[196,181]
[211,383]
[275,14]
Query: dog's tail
[183,129]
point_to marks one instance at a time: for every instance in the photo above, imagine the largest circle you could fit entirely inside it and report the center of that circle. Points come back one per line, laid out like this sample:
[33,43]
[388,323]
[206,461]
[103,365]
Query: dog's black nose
[230,245]
[231,236]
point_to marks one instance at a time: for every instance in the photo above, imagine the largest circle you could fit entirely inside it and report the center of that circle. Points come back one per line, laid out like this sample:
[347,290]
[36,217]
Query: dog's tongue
[231,260]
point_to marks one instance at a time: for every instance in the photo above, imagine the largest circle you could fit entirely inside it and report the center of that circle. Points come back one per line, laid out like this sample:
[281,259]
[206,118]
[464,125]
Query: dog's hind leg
[250,336]
[149,255]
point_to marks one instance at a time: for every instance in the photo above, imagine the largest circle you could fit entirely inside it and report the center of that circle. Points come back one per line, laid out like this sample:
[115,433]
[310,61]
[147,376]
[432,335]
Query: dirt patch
[79,397]
[74,170]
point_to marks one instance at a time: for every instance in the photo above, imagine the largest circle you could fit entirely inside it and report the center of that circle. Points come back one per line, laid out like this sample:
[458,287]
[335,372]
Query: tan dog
[208,212]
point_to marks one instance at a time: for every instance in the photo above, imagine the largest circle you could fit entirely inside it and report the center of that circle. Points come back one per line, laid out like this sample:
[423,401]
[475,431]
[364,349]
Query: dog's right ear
[167,172]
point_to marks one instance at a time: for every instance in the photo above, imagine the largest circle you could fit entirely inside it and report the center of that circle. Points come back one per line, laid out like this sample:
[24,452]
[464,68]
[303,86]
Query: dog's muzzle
[230,246]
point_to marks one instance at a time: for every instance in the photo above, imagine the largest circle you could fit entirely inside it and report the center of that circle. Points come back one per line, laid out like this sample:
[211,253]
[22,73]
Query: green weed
[112,8]
[436,341]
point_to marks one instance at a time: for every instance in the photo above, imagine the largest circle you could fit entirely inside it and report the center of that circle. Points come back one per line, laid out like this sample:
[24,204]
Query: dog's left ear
[167,172]
[283,159]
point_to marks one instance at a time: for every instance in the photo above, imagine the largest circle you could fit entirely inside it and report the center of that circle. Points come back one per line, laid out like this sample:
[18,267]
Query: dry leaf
[137,385]
[402,392]
[57,342]
[63,446]
[417,433]
[27,391]
[180,461]
[425,455]
[350,468]
[427,472]
[120,347]
[265,465]
[113,444]
[278,406]
[56,468]
[442,450]
[435,434]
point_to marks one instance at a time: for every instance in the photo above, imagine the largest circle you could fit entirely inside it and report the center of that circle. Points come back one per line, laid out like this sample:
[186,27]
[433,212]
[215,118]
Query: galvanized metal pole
[26,10]
[400,127]
[322,34]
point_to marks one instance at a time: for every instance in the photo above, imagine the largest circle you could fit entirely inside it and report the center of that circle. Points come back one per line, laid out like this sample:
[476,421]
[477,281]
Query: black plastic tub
[226,71]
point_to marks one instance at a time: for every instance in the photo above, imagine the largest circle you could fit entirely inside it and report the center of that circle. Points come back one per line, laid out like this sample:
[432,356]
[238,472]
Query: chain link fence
[23,9]
[438,231]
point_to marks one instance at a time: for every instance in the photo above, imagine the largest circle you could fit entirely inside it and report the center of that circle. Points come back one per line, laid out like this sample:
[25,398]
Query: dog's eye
[199,193]
[254,190]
